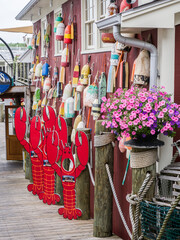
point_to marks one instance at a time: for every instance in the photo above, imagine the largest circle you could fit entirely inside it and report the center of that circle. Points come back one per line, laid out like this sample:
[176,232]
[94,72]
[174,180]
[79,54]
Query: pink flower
[133,133]
[130,123]
[103,123]
[131,117]
[161,115]
[140,126]
[108,104]
[153,132]
[104,99]
[171,111]
[164,110]
[131,100]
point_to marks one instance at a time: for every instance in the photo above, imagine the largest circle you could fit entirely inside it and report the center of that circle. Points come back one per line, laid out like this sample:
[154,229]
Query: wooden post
[103,194]
[59,187]
[139,174]
[83,185]
[28,172]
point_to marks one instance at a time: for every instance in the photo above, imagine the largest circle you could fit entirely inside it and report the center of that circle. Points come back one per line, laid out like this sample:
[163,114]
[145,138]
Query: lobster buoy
[45,69]
[65,58]
[38,70]
[80,87]
[84,74]
[69,108]
[96,109]
[55,74]
[47,84]
[114,58]
[77,120]
[77,101]
[61,109]
[67,91]
[57,21]
[67,35]
[59,89]
[142,68]
[60,32]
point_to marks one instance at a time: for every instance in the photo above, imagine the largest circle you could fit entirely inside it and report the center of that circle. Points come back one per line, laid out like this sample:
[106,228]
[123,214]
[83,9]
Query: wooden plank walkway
[24,217]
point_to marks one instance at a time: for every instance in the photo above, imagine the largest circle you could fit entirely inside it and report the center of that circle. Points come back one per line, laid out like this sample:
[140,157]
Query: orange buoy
[67,35]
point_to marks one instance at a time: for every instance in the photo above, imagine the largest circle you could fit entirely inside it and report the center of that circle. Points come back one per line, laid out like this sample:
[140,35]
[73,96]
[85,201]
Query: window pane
[89,10]
[103,7]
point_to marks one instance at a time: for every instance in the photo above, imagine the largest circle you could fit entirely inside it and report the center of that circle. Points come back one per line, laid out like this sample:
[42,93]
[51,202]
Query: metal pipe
[140,44]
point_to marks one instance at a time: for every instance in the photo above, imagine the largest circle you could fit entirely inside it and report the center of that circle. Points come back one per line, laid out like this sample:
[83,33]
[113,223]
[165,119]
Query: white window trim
[42,36]
[97,44]
[59,9]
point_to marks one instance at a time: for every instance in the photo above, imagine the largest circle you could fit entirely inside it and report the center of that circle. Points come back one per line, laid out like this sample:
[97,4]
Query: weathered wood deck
[24,217]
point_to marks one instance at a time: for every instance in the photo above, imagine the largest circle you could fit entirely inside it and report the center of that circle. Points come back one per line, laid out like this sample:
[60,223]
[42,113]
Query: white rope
[116,201]
[91,175]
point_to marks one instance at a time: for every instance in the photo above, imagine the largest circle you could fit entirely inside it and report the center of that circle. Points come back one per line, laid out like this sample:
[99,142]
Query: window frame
[98,46]
[43,26]
[56,52]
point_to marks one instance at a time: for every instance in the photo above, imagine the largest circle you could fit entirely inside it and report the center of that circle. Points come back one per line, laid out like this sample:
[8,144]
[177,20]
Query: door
[13,146]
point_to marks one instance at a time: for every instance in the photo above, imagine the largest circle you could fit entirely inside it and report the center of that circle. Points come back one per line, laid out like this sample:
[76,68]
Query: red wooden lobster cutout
[48,195]
[31,147]
[56,147]
[42,173]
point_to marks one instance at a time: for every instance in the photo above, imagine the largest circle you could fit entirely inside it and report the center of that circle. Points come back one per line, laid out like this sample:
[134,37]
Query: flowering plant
[138,112]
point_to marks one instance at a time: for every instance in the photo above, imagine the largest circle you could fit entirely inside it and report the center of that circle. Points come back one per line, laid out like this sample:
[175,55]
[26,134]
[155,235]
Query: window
[43,31]
[89,24]
[58,44]
[92,11]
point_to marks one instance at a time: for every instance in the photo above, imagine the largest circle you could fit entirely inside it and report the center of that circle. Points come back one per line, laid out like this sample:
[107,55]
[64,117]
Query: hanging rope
[135,200]
[116,201]
[91,175]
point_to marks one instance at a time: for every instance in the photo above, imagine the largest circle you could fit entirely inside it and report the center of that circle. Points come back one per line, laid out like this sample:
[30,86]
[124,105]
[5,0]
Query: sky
[9,9]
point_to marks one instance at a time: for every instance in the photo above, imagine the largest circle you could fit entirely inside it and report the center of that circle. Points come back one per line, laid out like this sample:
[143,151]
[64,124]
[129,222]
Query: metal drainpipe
[140,44]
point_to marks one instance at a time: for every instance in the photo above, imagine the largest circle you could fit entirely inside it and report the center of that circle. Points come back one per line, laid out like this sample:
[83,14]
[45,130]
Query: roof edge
[26,9]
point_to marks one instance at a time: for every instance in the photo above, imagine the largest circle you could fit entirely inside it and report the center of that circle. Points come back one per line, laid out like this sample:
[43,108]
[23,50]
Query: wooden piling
[83,185]
[103,199]
[28,171]
[139,174]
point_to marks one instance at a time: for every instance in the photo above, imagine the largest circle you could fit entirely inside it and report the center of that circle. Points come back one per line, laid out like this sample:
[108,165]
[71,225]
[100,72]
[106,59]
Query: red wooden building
[160,18]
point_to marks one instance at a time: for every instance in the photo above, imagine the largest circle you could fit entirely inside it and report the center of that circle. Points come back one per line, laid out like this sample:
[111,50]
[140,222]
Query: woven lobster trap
[152,219]
[160,219]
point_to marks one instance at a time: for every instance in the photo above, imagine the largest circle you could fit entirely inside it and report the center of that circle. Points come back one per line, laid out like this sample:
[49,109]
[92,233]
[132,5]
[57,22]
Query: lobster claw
[61,128]
[82,148]
[35,132]
[49,118]
[20,123]
[52,147]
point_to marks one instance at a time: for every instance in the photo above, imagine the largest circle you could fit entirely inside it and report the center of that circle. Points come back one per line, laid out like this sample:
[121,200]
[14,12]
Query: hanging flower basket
[141,114]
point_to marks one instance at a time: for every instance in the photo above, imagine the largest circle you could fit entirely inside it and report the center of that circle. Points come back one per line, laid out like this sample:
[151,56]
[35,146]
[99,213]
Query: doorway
[13,146]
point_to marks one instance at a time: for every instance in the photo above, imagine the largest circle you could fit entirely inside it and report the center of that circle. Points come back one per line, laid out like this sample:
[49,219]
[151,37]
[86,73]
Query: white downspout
[140,44]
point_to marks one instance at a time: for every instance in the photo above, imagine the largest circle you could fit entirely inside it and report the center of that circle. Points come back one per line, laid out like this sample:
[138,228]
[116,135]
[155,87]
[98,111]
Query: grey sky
[8,11]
